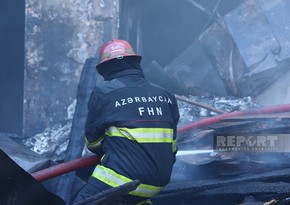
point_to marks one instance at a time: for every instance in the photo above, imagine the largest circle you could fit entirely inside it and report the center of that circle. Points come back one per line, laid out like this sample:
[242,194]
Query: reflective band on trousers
[143,135]
[113,179]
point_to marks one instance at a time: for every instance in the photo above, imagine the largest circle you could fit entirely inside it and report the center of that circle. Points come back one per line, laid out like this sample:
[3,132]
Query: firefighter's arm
[176,117]
[95,127]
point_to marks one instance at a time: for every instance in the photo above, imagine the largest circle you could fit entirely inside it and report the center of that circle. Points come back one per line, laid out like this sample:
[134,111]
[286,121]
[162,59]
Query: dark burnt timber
[231,177]
[262,186]
[156,74]
[20,188]
[201,185]
[75,147]
[86,85]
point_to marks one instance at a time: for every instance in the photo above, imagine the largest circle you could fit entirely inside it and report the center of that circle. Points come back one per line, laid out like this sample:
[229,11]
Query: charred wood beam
[194,187]
[250,193]
[75,146]
[253,188]
[86,85]
[192,102]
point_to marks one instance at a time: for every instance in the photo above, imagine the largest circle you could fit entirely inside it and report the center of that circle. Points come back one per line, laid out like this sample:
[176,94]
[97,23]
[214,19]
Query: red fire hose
[218,118]
[91,160]
[65,167]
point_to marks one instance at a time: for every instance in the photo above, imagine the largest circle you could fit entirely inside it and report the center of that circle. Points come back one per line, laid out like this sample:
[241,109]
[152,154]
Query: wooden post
[75,146]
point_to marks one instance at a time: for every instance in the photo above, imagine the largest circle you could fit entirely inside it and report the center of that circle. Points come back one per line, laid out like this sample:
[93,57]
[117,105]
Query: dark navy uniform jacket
[133,123]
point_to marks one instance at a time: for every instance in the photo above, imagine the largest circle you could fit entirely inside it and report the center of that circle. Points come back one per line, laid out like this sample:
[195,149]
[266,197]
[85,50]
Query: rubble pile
[190,113]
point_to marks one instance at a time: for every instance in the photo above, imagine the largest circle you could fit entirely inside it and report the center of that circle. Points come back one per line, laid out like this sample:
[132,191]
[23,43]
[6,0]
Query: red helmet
[115,49]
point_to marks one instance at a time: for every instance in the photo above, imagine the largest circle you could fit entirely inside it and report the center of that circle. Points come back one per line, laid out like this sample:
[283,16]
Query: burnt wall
[11,65]
[59,37]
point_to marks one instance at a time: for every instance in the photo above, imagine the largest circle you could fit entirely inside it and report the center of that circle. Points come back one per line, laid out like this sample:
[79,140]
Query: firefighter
[133,124]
